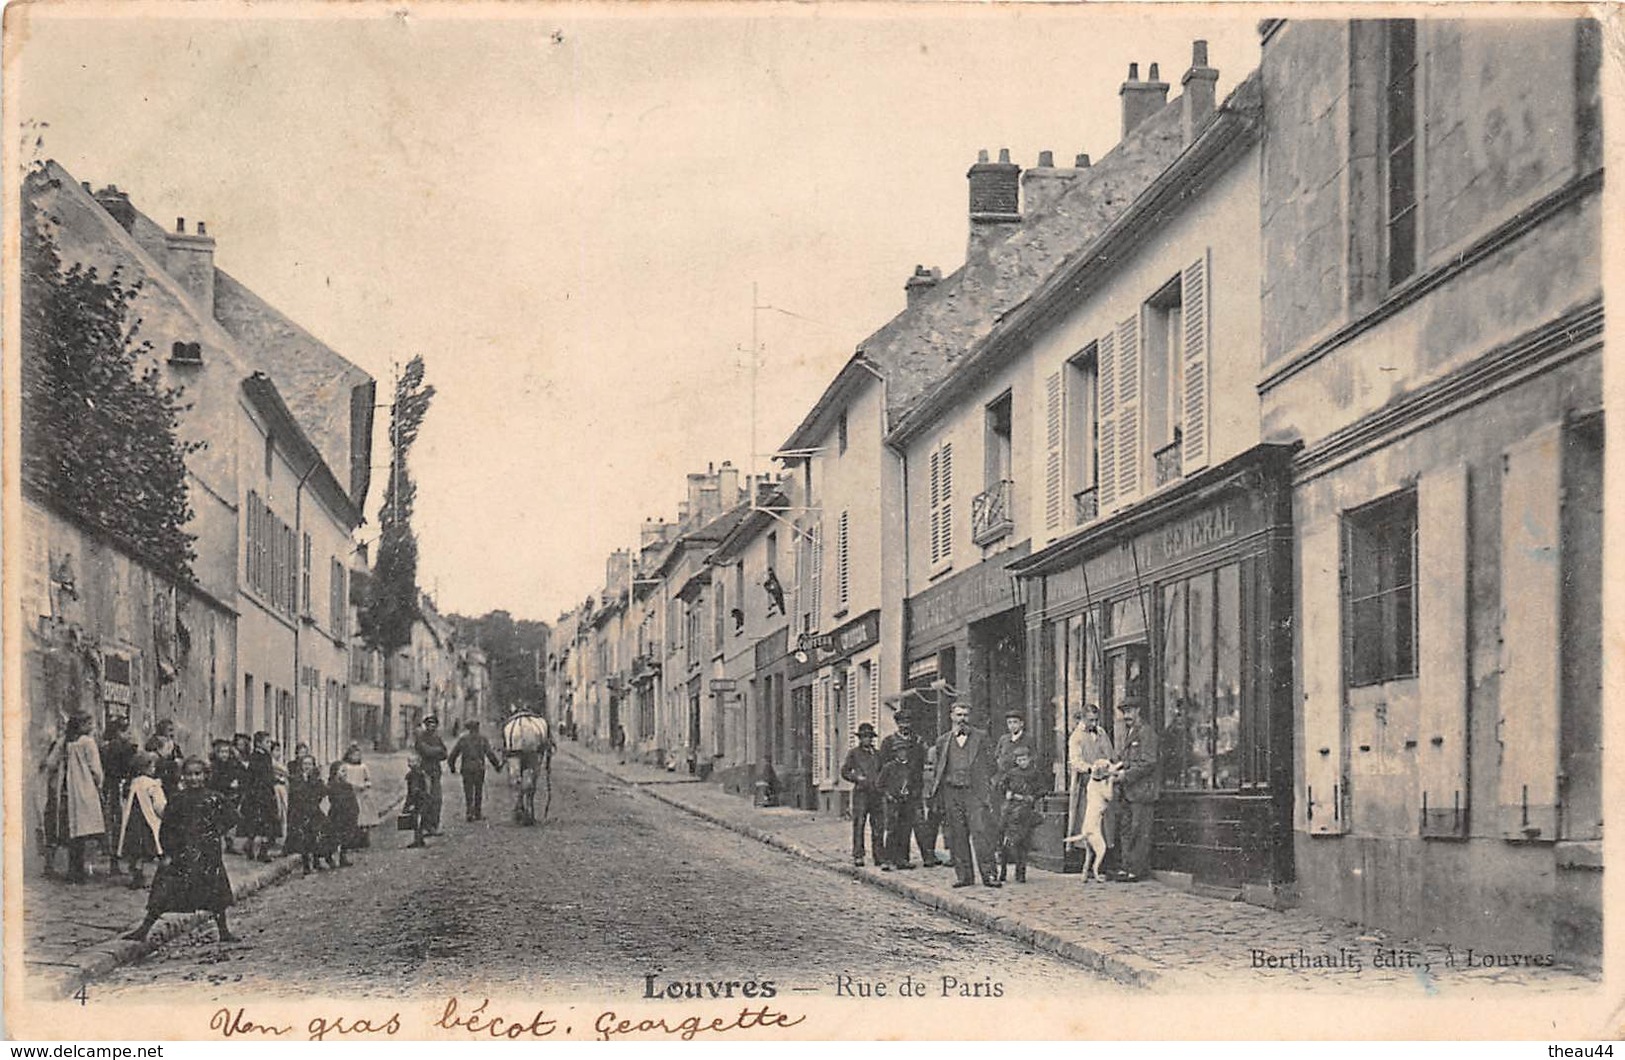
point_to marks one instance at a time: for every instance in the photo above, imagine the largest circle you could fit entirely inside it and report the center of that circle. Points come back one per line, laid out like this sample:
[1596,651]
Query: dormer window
[186,353]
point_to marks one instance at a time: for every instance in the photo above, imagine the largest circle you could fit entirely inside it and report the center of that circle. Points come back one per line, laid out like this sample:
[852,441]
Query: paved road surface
[615,885]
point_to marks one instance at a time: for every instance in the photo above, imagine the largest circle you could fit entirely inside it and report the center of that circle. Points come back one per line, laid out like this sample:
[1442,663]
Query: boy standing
[1020,788]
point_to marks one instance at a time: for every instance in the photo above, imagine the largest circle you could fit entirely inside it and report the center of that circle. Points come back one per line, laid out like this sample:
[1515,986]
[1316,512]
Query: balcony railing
[1169,463]
[990,515]
[1086,506]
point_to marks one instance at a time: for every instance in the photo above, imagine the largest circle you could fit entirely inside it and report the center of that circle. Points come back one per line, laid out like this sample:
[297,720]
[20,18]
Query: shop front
[841,673]
[784,729]
[1183,603]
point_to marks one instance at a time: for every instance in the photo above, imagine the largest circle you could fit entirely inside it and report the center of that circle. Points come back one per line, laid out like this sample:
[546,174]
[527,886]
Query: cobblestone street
[613,886]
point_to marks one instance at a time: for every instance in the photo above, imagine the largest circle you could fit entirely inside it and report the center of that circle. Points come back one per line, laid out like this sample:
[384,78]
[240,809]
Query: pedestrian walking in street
[473,750]
[862,770]
[1087,745]
[355,773]
[307,824]
[343,815]
[1141,787]
[167,746]
[1019,789]
[903,817]
[417,794]
[617,742]
[261,817]
[143,818]
[191,874]
[900,796]
[118,753]
[432,753]
[73,812]
[962,783]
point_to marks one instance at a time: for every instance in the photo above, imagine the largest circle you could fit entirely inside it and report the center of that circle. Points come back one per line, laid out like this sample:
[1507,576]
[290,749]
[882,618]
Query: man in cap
[1015,738]
[904,817]
[474,750]
[432,750]
[1142,784]
[862,770]
[963,781]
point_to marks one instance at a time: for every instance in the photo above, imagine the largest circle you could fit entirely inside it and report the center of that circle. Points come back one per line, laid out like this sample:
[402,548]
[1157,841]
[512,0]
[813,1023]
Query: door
[799,762]
[1126,668]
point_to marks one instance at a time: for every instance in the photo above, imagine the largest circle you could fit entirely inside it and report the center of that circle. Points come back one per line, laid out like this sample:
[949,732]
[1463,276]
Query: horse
[529,737]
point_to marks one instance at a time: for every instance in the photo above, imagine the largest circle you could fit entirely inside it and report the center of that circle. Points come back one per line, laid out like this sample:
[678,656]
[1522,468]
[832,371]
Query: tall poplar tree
[392,606]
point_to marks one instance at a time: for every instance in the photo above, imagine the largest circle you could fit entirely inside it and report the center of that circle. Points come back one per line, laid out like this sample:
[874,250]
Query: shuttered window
[1054,479]
[941,502]
[1130,416]
[816,596]
[1198,338]
[843,589]
[1106,417]
[850,688]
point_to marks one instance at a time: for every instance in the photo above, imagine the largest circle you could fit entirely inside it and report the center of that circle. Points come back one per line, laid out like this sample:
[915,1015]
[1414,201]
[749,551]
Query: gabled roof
[857,373]
[307,462]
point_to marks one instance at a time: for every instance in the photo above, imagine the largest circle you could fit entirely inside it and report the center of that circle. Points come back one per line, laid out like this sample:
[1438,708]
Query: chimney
[920,284]
[117,205]
[995,199]
[617,572]
[1200,85]
[1141,99]
[1045,183]
[190,259]
[728,485]
[654,532]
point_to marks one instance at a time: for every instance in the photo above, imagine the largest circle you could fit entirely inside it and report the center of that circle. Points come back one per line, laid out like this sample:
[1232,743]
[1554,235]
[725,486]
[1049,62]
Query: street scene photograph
[701,522]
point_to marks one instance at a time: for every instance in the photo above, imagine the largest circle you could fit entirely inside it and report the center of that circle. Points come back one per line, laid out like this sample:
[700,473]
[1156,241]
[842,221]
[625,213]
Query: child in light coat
[143,818]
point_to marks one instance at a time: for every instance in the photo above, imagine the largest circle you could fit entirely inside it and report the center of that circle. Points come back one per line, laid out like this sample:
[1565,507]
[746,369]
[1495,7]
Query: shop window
[1203,674]
[1379,591]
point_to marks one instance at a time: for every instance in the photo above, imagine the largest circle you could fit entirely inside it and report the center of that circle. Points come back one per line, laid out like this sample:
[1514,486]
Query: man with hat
[862,770]
[474,750]
[432,750]
[1141,786]
[903,818]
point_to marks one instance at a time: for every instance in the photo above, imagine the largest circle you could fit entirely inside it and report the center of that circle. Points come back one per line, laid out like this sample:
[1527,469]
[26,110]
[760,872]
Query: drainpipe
[298,616]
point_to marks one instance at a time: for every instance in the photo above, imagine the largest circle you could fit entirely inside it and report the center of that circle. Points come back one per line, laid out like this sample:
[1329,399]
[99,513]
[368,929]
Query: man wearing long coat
[432,750]
[962,782]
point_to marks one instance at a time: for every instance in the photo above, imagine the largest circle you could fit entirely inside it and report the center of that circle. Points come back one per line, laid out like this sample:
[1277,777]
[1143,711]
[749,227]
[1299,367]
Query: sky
[564,208]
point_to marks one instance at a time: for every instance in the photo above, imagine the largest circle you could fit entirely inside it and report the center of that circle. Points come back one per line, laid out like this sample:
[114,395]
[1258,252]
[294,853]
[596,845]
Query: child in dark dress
[192,874]
[417,797]
[307,824]
[343,814]
[261,818]
[226,780]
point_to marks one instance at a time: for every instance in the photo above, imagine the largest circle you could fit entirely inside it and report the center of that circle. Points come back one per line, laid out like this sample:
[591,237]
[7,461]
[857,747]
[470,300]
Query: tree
[515,651]
[99,429]
[392,603]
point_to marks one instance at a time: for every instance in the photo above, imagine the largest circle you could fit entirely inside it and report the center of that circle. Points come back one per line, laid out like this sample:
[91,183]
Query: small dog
[1101,790]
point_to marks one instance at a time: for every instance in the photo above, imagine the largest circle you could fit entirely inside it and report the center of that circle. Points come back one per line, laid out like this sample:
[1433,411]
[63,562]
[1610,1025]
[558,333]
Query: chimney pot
[1133,71]
[1004,156]
[85,184]
[1046,158]
[981,156]
[1199,53]
[1155,76]
[922,281]
[202,231]
[1082,161]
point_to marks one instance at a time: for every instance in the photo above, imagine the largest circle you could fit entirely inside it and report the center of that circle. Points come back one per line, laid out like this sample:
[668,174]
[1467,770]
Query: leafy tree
[514,652]
[391,606]
[99,427]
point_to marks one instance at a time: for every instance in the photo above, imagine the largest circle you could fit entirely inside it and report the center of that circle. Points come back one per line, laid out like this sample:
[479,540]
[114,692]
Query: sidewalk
[1147,935]
[71,933]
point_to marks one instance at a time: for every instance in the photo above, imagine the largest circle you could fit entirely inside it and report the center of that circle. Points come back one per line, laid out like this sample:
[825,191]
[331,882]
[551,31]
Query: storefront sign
[983,590]
[814,650]
[724,684]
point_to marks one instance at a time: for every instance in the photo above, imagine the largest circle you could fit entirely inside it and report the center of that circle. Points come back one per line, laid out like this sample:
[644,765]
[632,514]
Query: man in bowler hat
[1141,785]
[862,770]
[904,819]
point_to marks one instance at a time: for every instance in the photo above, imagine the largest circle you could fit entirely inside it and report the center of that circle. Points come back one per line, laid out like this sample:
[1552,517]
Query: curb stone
[1127,969]
[103,957]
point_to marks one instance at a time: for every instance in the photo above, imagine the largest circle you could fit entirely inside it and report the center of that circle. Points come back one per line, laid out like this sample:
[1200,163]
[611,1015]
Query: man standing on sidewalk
[904,820]
[432,750]
[474,750]
[1142,784]
[963,782]
[862,770]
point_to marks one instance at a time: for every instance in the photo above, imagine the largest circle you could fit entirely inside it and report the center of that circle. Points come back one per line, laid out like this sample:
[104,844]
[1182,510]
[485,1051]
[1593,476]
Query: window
[304,594]
[739,598]
[941,503]
[998,454]
[720,613]
[1164,372]
[338,603]
[1400,128]
[1083,433]
[840,435]
[815,571]
[843,592]
[1379,590]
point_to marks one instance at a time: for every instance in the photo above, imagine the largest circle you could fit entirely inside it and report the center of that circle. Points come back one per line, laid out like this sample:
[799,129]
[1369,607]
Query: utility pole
[755,356]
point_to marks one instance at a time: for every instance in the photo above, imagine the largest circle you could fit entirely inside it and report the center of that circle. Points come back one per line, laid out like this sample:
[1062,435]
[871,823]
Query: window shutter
[817,576]
[1441,516]
[1198,331]
[842,562]
[947,501]
[1052,457]
[1106,418]
[851,709]
[1531,584]
[820,757]
[1128,409]
[936,505]
[873,677]
[1320,610]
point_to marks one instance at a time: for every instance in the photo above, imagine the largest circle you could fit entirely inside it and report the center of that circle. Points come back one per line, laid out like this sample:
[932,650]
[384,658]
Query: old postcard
[570,522]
